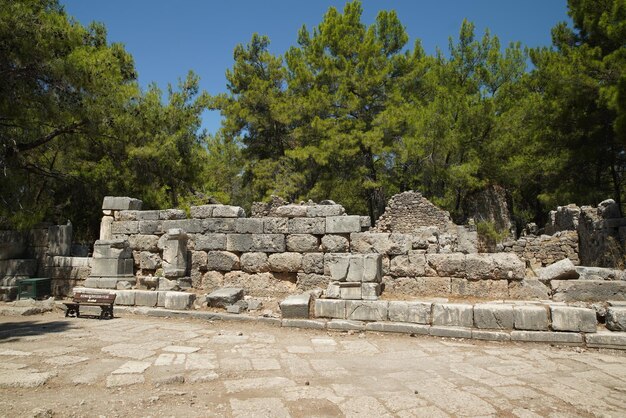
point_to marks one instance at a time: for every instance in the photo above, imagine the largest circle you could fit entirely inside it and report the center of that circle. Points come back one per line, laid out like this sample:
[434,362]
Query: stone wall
[409,211]
[543,250]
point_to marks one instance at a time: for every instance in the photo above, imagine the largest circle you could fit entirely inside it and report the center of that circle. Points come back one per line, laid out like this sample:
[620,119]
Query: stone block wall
[543,250]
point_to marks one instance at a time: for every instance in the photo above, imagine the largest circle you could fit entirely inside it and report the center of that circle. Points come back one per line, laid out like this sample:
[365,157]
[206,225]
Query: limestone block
[262,284]
[291,211]
[366,310]
[172,214]
[336,266]
[600,273]
[201,212]
[467,240]
[607,339]
[343,224]
[450,332]
[448,265]
[105,227]
[225,211]
[355,269]
[254,262]
[239,242]
[124,227]
[18,267]
[531,317]
[484,289]
[369,242]
[125,297]
[303,323]
[190,226]
[167,284]
[412,264]
[112,249]
[249,226]
[417,312]
[567,338]
[345,325]
[146,298]
[313,263]
[493,316]
[199,260]
[587,290]
[333,291]
[528,289]
[296,306]
[329,308]
[366,223]
[143,242]
[222,261]
[370,291]
[268,243]
[453,314]
[179,300]
[212,280]
[335,244]
[161,299]
[322,211]
[139,215]
[208,242]
[306,225]
[372,267]
[111,267]
[311,281]
[285,262]
[418,286]
[275,226]
[59,240]
[175,253]
[149,261]
[616,318]
[65,261]
[234,309]
[121,203]
[123,285]
[221,225]
[561,270]
[495,266]
[302,243]
[569,318]
[150,228]
[350,290]
[225,296]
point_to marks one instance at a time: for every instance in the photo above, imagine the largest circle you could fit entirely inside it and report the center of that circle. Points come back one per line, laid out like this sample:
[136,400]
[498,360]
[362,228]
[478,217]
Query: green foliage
[489,235]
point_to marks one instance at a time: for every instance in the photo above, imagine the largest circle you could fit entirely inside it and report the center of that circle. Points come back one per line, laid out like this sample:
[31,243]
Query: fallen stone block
[343,224]
[234,309]
[616,318]
[366,310]
[561,270]
[567,338]
[224,296]
[569,318]
[403,328]
[179,300]
[453,314]
[330,308]
[531,317]
[450,332]
[493,316]
[588,290]
[296,306]
[528,289]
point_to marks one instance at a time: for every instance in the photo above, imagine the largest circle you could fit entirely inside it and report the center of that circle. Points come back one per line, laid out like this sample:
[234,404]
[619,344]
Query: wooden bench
[103,300]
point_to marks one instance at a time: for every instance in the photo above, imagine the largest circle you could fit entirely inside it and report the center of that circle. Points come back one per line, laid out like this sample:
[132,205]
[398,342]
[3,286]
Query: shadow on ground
[29,328]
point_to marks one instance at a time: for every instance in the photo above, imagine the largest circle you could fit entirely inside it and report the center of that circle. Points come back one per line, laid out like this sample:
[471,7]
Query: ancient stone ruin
[415,266]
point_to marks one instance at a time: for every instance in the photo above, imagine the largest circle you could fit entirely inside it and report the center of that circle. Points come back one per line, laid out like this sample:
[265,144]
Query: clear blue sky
[169,38]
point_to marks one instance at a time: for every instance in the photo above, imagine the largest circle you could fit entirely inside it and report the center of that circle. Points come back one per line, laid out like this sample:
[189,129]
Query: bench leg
[72,310]
[106,312]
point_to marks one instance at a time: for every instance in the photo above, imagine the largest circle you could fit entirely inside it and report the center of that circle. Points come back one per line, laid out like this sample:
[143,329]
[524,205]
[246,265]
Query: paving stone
[345,325]
[493,316]
[616,318]
[330,308]
[24,379]
[547,337]
[450,332]
[453,314]
[258,407]
[569,318]
[133,367]
[296,306]
[119,380]
[531,317]
[400,327]
[366,310]
[224,296]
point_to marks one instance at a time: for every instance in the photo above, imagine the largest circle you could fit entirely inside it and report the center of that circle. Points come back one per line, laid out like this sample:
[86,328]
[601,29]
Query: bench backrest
[104,298]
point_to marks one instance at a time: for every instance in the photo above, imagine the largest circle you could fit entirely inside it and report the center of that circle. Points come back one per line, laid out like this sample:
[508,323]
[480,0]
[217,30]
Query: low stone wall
[543,250]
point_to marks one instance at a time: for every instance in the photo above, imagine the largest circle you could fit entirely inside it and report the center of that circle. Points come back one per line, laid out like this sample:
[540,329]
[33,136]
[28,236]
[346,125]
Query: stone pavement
[137,366]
